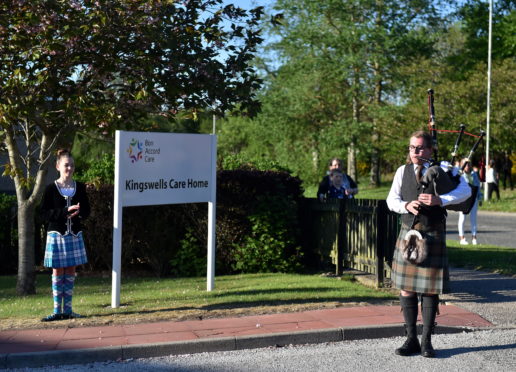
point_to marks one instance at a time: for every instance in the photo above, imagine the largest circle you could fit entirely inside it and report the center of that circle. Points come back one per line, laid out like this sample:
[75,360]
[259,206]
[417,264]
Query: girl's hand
[73,210]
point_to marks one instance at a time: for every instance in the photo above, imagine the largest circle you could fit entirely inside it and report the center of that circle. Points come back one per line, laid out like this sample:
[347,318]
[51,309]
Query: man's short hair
[427,138]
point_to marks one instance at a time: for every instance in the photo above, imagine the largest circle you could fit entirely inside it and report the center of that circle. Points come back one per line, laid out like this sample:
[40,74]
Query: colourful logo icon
[135,150]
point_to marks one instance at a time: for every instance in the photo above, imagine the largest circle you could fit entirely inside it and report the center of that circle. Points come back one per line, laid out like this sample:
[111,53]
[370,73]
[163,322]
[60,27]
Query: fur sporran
[413,247]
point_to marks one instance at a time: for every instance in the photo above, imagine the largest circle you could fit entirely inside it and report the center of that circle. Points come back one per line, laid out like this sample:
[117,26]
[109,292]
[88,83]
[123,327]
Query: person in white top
[472,178]
[422,210]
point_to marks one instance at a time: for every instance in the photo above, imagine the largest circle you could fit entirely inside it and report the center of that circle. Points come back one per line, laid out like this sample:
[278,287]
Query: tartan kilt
[64,250]
[430,276]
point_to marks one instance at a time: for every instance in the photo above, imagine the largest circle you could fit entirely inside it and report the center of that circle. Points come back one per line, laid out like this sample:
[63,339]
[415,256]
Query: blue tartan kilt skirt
[430,276]
[64,250]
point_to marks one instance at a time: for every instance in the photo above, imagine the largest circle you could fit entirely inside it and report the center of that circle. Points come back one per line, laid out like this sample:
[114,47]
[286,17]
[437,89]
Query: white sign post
[163,168]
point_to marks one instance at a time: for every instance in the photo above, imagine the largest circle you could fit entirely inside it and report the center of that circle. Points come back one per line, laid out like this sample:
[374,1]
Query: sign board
[163,168]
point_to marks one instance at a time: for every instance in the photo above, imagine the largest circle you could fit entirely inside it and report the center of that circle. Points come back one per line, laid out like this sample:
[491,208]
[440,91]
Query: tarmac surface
[495,228]
[480,301]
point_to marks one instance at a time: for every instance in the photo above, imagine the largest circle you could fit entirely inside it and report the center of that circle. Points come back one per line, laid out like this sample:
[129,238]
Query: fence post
[381,224]
[341,238]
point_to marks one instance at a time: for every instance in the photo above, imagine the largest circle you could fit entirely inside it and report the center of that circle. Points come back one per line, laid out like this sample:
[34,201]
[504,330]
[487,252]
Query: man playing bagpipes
[420,192]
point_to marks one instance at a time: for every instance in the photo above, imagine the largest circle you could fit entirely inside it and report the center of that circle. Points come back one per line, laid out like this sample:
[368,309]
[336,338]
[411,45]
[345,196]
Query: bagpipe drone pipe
[444,176]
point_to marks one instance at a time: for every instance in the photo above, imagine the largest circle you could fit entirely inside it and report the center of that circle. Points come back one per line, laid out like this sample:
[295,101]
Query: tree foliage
[327,58]
[339,72]
[474,21]
[98,65]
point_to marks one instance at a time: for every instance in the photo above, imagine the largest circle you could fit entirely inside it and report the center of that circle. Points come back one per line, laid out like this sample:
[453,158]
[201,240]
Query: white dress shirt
[396,204]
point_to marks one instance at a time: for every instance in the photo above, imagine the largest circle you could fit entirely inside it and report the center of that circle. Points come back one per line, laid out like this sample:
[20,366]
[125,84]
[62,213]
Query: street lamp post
[488,112]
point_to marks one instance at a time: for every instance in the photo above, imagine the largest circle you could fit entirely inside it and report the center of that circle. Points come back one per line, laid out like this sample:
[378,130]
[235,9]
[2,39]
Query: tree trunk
[26,283]
[28,194]
[374,174]
[352,161]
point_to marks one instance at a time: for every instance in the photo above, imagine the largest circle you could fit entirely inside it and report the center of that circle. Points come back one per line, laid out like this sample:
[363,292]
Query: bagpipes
[444,175]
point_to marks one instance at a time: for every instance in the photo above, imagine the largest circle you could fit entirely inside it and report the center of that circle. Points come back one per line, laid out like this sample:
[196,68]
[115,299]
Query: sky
[249,4]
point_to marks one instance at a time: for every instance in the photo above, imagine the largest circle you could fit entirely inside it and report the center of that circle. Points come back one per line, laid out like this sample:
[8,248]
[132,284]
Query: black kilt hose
[432,275]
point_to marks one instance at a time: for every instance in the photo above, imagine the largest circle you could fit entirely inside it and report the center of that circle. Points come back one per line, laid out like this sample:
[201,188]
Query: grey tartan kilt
[430,276]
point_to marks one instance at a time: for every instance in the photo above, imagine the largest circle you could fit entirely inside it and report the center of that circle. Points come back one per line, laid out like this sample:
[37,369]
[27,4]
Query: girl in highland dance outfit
[65,205]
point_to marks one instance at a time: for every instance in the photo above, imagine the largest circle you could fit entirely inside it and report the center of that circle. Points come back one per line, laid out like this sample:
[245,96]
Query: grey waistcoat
[410,189]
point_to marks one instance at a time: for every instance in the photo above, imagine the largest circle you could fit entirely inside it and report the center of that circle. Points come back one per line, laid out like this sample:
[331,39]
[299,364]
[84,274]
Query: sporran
[413,247]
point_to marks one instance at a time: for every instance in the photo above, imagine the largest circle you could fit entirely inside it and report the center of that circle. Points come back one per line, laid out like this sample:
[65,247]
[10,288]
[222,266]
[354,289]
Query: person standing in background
[324,185]
[492,178]
[473,179]
[348,182]
[342,186]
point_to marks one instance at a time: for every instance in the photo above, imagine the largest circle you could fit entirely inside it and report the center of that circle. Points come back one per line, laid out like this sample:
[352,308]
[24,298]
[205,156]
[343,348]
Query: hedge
[173,238]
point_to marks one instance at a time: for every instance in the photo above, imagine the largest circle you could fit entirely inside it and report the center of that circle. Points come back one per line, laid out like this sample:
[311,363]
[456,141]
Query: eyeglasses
[415,149]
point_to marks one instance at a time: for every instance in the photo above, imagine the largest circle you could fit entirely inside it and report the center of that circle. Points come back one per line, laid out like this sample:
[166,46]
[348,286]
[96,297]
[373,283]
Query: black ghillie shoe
[72,315]
[52,317]
[427,350]
[410,347]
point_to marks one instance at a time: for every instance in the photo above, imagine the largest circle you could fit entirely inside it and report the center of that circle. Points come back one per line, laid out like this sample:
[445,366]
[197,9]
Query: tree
[473,18]
[357,48]
[95,65]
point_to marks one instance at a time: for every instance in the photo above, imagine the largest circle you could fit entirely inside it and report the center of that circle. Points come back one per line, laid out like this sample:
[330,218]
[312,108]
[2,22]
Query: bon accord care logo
[139,150]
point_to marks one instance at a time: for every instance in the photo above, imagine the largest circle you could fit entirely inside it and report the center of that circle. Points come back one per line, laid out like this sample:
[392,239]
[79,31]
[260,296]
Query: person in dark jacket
[422,213]
[325,184]
[342,186]
[65,204]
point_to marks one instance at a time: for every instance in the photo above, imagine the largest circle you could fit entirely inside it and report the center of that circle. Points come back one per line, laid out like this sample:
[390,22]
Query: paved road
[492,350]
[493,228]
[492,296]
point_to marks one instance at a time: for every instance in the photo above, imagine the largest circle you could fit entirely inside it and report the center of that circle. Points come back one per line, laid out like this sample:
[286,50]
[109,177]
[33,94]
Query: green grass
[482,257]
[152,299]
[507,202]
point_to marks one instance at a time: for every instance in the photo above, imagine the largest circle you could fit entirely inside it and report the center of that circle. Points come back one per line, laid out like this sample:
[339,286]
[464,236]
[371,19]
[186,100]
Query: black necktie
[419,171]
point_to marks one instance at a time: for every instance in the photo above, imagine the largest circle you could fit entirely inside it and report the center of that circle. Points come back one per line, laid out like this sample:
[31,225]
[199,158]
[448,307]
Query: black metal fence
[357,233]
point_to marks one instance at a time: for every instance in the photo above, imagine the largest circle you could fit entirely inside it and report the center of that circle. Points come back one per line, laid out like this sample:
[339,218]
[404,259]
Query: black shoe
[72,315]
[52,317]
[427,349]
[410,347]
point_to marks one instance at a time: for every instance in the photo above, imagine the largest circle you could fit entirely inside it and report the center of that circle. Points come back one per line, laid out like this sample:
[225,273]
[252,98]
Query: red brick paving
[144,333]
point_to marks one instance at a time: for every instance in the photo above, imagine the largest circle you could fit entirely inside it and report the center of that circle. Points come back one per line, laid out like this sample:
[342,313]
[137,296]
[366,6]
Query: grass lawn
[482,257]
[152,299]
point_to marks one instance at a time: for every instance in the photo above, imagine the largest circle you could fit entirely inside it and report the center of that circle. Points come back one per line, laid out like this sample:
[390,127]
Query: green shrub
[238,162]
[101,172]
[190,259]
[270,247]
